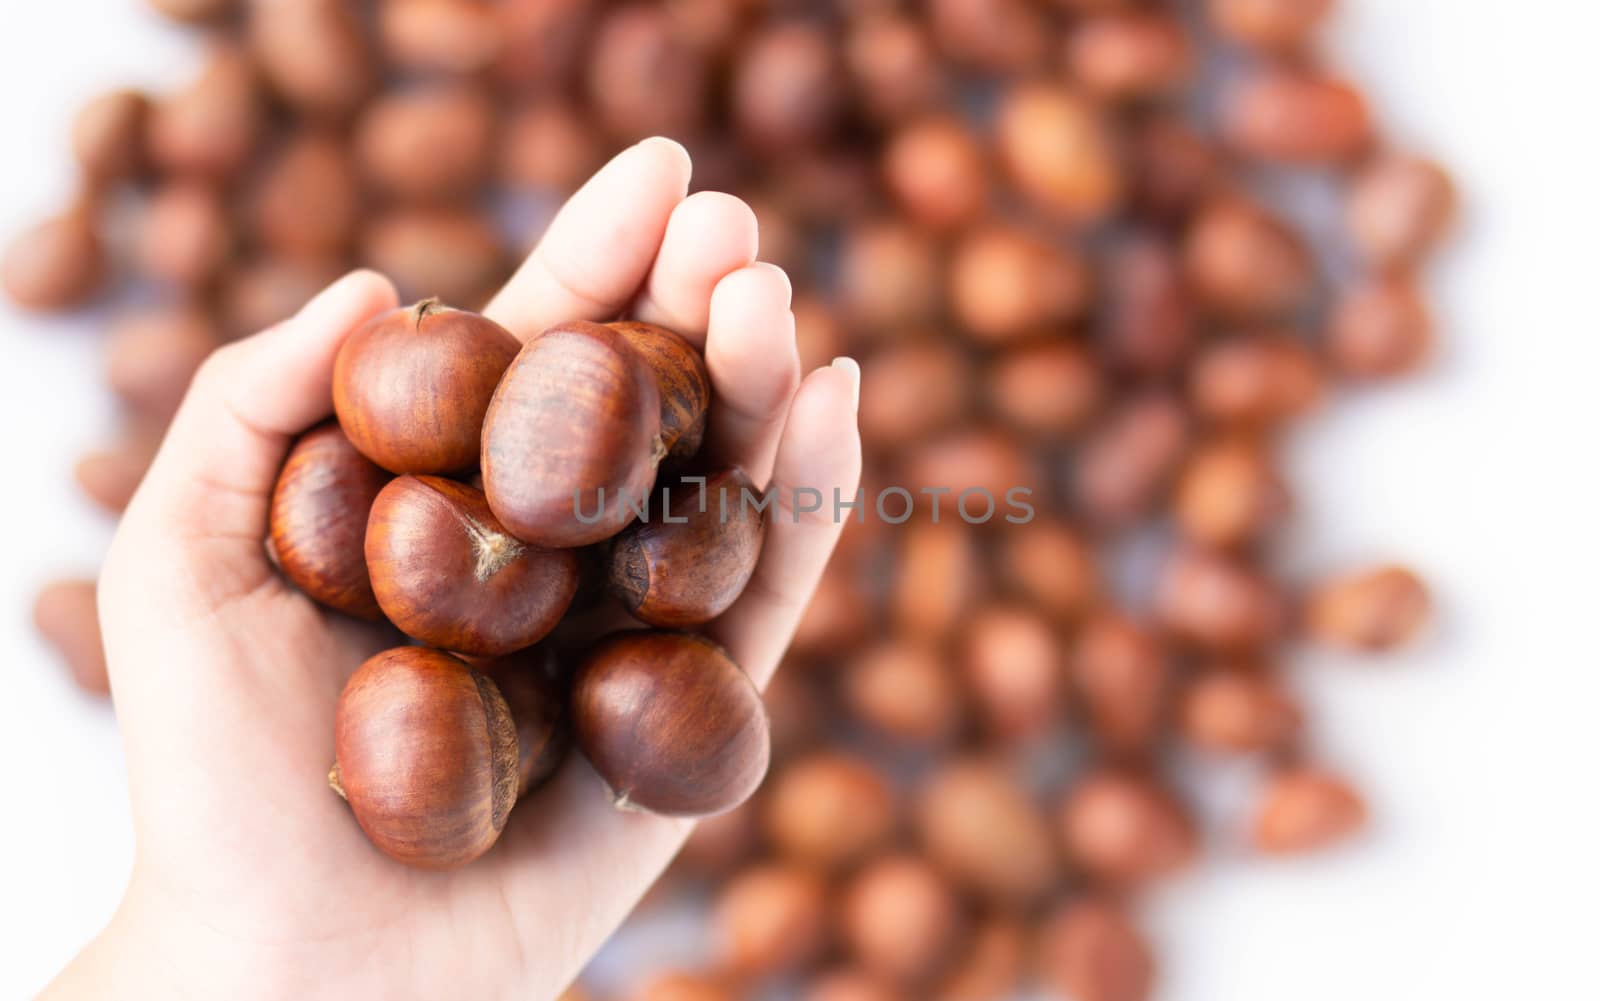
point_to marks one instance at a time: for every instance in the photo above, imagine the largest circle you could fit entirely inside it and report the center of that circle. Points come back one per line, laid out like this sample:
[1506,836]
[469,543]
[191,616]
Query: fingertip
[852,369]
[671,154]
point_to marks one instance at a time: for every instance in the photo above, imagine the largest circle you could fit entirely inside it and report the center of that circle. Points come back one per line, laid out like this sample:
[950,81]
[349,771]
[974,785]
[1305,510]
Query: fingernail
[849,366]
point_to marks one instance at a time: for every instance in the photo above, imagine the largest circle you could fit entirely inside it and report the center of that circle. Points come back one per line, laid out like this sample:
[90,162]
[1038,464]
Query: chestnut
[446,572]
[912,389]
[1397,209]
[211,127]
[447,36]
[1006,284]
[411,387]
[1305,809]
[1297,118]
[1124,828]
[1231,711]
[452,254]
[644,77]
[196,11]
[1148,323]
[110,476]
[993,962]
[890,59]
[682,382]
[1014,666]
[317,521]
[151,356]
[573,437]
[785,86]
[1255,380]
[186,236]
[838,616]
[259,293]
[1061,151]
[978,823]
[992,36]
[1121,672]
[1268,24]
[426,757]
[675,985]
[307,202]
[66,616]
[1173,167]
[1049,389]
[849,984]
[1217,602]
[1380,330]
[671,723]
[534,694]
[1127,460]
[1372,611]
[937,170]
[1124,55]
[56,264]
[690,563]
[1090,950]
[315,54]
[770,919]
[542,43]
[900,919]
[888,278]
[973,459]
[431,144]
[829,810]
[937,578]
[1050,564]
[1228,494]
[904,690]
[549,145]
[108,136]
[1244,263]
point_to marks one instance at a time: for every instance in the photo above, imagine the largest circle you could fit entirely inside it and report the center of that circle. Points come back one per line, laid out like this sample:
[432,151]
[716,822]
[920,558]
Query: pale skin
[251,879]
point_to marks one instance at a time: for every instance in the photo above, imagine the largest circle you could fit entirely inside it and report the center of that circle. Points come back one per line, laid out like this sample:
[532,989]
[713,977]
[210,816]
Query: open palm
[251,879]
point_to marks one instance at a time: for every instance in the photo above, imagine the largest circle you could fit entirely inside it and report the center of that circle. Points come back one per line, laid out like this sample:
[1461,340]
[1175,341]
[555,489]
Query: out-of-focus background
[1478,875]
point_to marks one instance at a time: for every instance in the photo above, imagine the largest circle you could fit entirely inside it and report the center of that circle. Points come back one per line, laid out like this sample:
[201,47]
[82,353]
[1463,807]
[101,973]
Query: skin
[251,880]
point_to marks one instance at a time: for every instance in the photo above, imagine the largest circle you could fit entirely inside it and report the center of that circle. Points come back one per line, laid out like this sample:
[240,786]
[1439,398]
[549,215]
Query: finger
[215,471]
[594,257]
[754,366]
[819,460]
[709,235]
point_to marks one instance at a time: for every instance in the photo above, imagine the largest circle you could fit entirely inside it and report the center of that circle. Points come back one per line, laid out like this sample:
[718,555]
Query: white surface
[1480,877]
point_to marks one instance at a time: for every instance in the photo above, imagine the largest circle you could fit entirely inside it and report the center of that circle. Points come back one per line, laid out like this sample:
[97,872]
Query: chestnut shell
[671,723]
[681,379]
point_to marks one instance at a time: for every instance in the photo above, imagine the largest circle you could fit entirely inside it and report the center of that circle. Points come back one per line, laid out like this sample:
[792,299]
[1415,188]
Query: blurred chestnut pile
[1048,230]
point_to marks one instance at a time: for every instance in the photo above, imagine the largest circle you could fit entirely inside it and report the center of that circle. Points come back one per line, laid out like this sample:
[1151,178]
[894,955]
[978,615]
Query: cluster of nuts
[449,499]
[1047,230]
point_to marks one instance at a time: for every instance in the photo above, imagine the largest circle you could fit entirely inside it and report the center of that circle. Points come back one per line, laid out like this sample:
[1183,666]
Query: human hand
[251,879]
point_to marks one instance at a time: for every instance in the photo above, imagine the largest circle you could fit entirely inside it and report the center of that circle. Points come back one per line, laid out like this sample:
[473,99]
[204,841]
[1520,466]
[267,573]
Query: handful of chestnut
[487,498]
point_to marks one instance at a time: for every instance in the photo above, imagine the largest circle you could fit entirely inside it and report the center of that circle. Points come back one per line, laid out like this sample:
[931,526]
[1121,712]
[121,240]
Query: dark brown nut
[829,810]
[1089,950]
[978,823]
[446,572]
[426,757]
[444,36]
[1268,24]
[679,986]
[1255,380]
[573,437]
[785,86]
[542,43]
[1124,55]
[549,146]
[1051,565]
[317,522]
[196,11]
[260,293]
[1398,208]
[1229,494]
[1148,324]
[307,202]
[211,127]
[992,965]
[1244,263]
[888,278]
[938,171]
[839,616]
[643,77]
[1228,711]
[1124,828]
[1121,675]
[109,477]
[903,690]
[315,54]
[1173,168]
[534,693]
[911,390]
[1218,603]
[770,919]
[412,386]
[57,264]
[1015,668]
[65,614]
[1372,611]
[671,724]
[1306,809]
[1380,330]
[1296,117]
[900,919]
[1049,389]
[690,562]
[937,578]
[989,477]
[850,984]
[891,62]
[108,136]
[794,711]
[994,36]
[1006,284]
[1127,461]
[681,380]
[453,254]
[152,355]
[430,144]
[1061,151]
[186,236]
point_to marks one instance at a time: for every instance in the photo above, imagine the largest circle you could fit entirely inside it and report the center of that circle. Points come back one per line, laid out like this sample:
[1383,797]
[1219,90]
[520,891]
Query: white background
[1480,876]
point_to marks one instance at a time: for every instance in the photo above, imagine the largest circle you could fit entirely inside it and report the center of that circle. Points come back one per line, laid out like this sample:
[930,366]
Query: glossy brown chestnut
[1233,711]
[890,60]
[785,86]
[937,578]
[430,144]
[770,919]
[535,695]
[1050,564]
[937,170]
[453,254]
[1049,389]
[992,963]
[1148,322]
[1306,809]
[444,36]
[108,135]
[912,389]
[317,522]
[1123,828]
[212,126]
[573,437]
[315,54]
[1060,150]
[308,200]
[977,822]
[1397,209]
[671,723]
[900,918]
[1243,262]
[65,614]
[995,36]
[1123,55]
[1268,24]
[1229,494]
[681,380]
[1381,329]
[1007,283]
[1090,950]
[185,236]
[1296,117]
[1255,380]
[888,278]
[427,757]
[692,560]
[550,145]
[1218,602]
[56,264]
[411,387]
[448,573]
[904,690]
[643,76]
[1014,666]
[151,356]
[1121,673]
[1373,611]
[259,293]
[829,810]
[1127,461]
